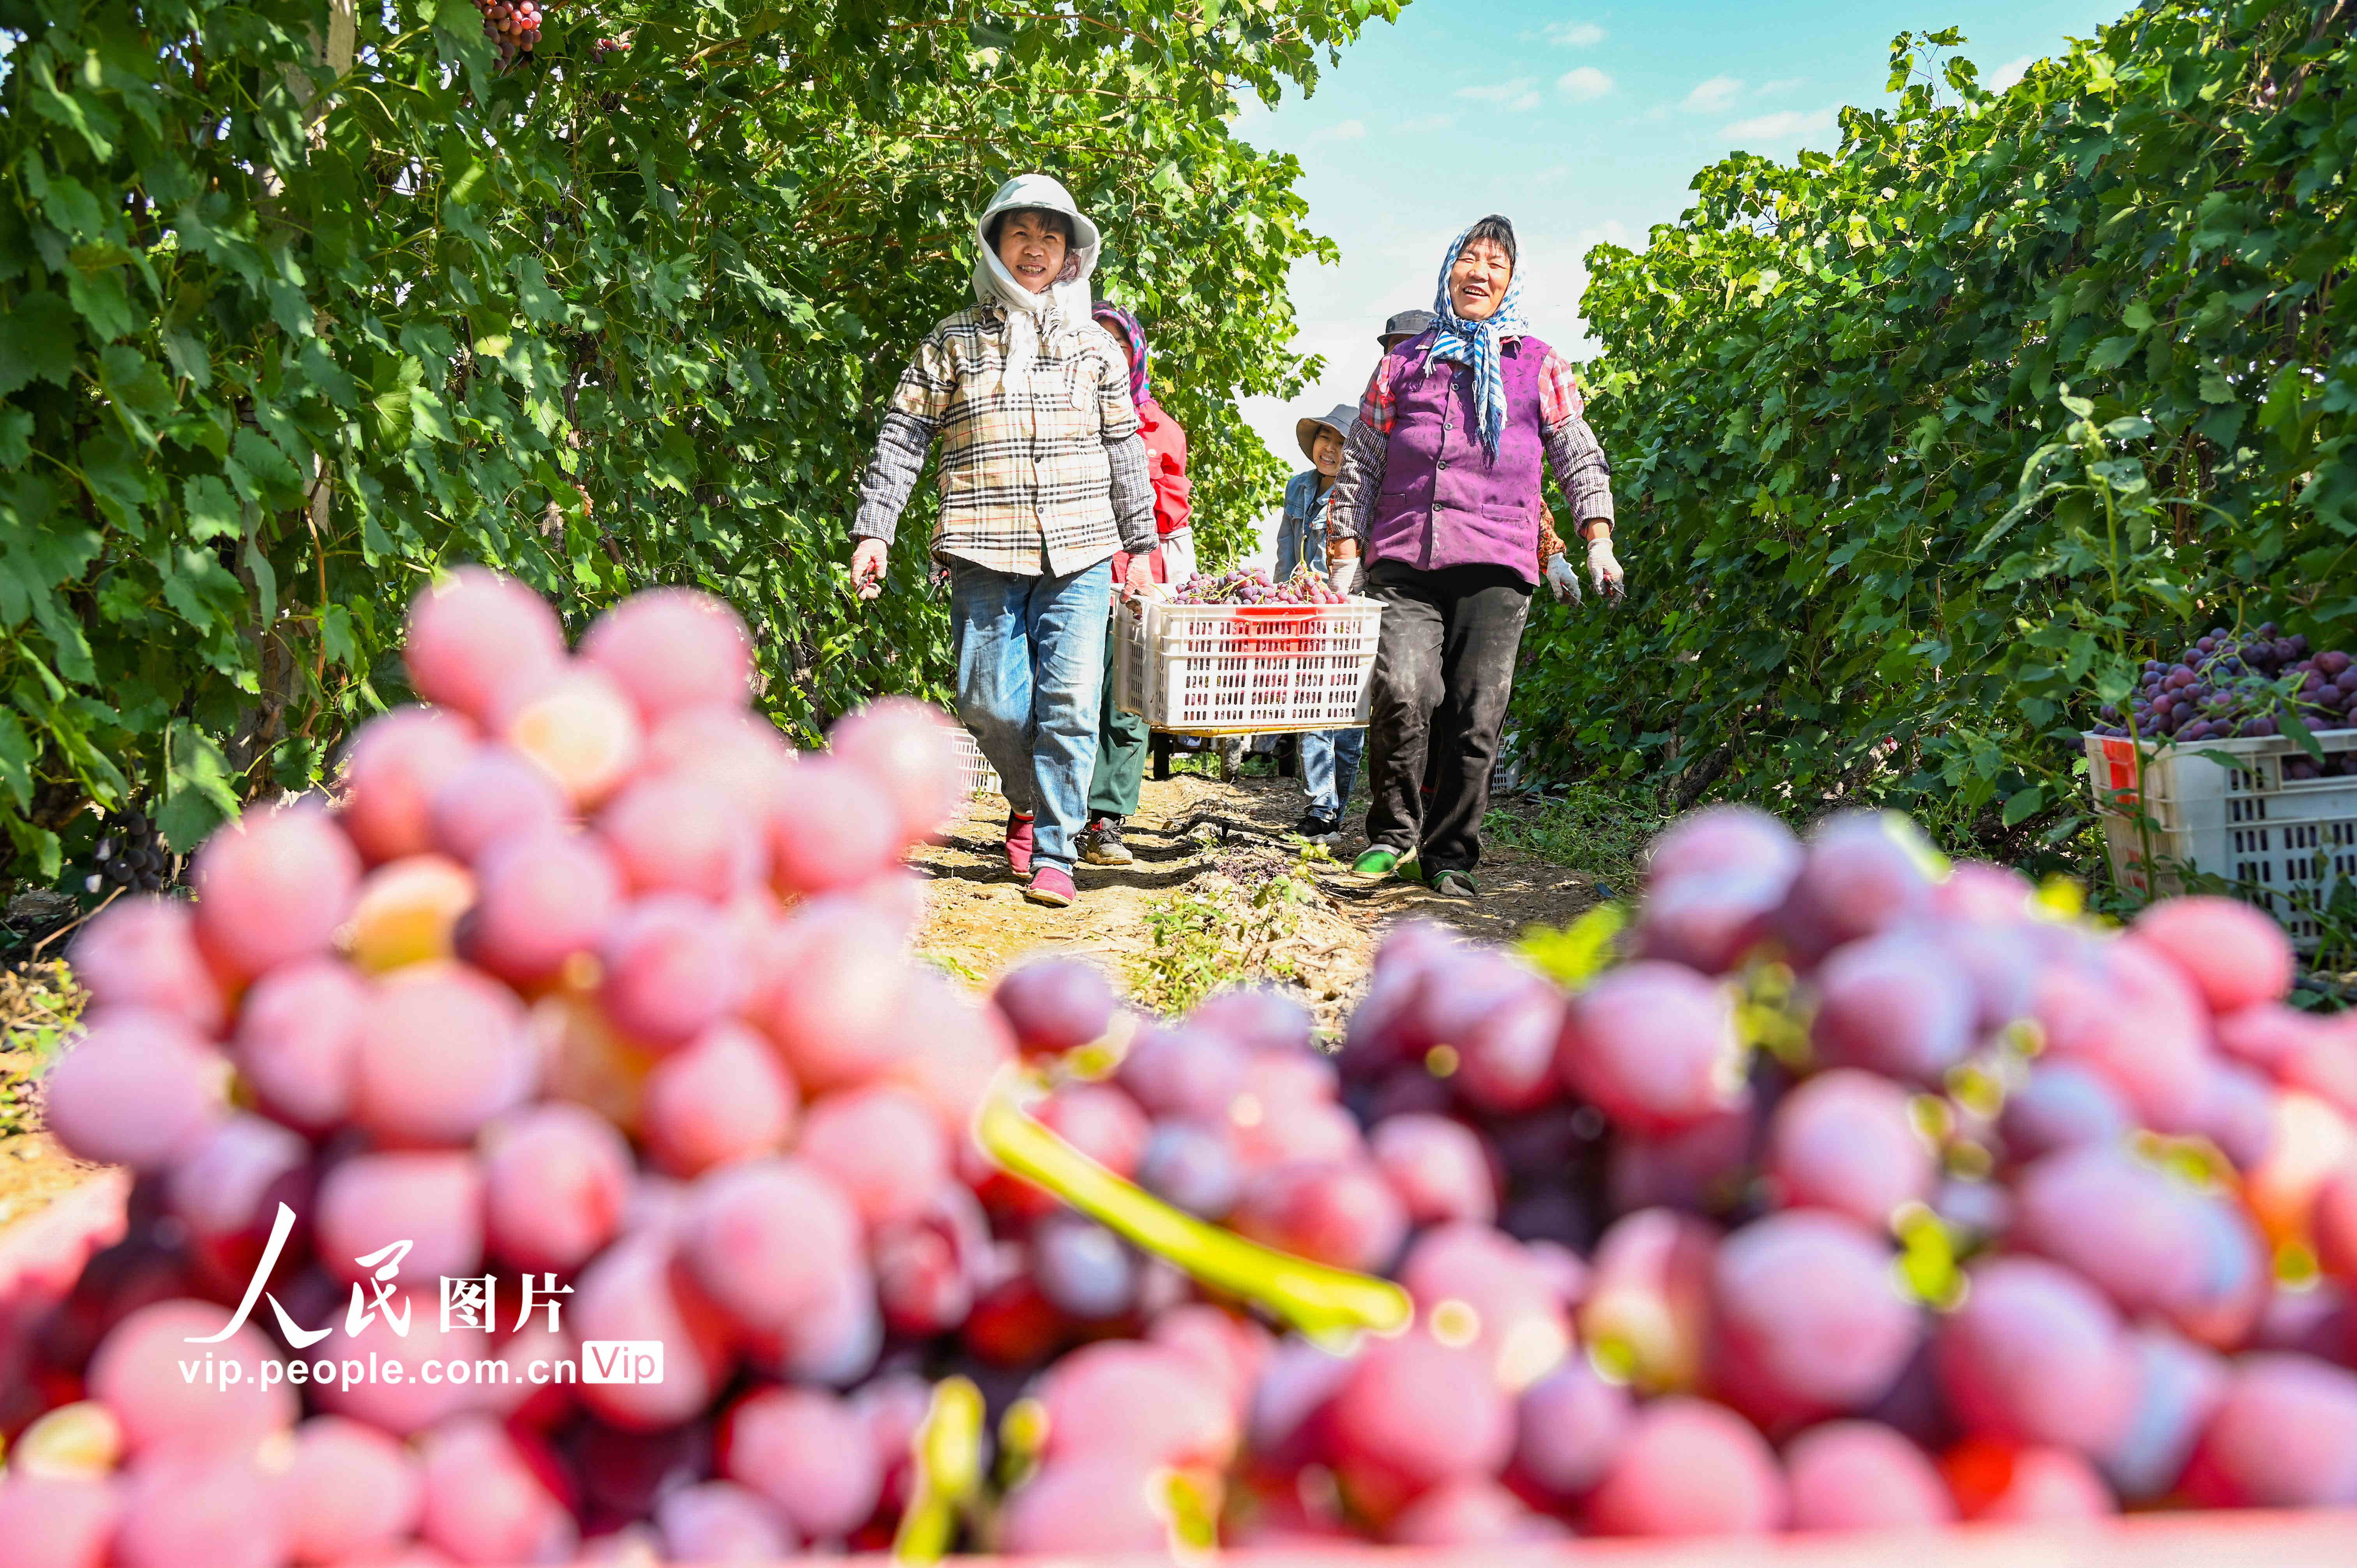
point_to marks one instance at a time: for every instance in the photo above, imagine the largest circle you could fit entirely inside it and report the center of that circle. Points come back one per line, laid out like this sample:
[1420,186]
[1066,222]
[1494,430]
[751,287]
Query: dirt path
[1211,846]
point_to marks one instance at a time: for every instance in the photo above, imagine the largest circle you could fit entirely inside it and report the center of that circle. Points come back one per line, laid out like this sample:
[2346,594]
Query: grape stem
[1326,1303]
[947,1449]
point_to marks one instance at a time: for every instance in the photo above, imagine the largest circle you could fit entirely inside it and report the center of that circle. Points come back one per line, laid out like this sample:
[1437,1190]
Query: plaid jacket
[1041,467]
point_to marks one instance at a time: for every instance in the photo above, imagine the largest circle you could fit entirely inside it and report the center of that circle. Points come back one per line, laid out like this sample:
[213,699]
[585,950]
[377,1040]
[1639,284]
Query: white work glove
[1343,573]
[1179,555]
[1604,567]
[1561,579]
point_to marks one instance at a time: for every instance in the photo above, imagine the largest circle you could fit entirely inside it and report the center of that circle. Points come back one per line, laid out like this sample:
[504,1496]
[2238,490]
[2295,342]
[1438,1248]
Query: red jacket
[1166,460]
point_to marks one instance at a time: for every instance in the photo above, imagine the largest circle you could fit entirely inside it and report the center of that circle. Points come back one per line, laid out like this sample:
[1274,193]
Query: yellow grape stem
[1325,1303]
[948,1452]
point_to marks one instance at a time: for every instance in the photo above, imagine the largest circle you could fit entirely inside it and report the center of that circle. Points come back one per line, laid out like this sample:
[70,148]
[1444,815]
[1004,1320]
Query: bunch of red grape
[514,23]
[2226,687]
[1250,585]
[1866,1192]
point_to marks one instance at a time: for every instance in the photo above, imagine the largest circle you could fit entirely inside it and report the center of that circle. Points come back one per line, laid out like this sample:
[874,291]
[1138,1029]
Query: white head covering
[993,284]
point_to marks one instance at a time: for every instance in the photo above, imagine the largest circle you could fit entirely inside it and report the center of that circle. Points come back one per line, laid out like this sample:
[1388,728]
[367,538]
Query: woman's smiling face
[1478,279]
[1031,245]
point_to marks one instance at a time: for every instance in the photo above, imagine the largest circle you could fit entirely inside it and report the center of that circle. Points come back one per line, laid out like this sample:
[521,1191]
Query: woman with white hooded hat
[1043,478]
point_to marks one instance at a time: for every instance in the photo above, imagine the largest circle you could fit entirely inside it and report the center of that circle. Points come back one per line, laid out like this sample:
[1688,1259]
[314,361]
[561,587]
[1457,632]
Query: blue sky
[1579,122]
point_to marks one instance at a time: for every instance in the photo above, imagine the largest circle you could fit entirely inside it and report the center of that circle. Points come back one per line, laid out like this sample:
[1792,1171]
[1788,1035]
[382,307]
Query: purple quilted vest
[1443,501]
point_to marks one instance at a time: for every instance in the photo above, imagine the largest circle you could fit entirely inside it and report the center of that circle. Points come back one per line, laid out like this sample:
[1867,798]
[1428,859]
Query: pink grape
[804,1451]
[1316,1131]
[836,1339]
[298,1041]
[765,1239]
[1720,838]
[1653,1047]
[58,1521]
[142,952]
[351,1491]
[1232,1349]
[1438,1167]
[1507,1060]
[1517,1309]
[1689,1467]
[580,727]
[434,1201]
[400,1400]
[1377,1034]
[722,1096]
[2062,1106]
[188,1510]
[1895,1006]
[1862,873]
[1471,1511]
[138,1089]
[881,1147]
[1414,1412]
[542,895]
[1192,1165]
[829,829]
[2334,1224]
[675,967]
[2125,1012]
[557,1179]
[442,1050]
[720,1522]
[2179,1386]
[474,634]
[273,887]
[2234,955]
[1283,1076]
[630,1291]
[1999,965]
[739,754]
[395,766]
[1648,1303]
[484,1501]
[911,751]
[1568,1425]
[1257,1019]
[827,992]
[1342,1215]
[672,650]
[1461,987]
[1808,1318]
[135,1373]
[956,1048]
[2147,1239]
[497,794]
[1846,1141]
[1121,1396]
[1709,920]
[1861,1474]
[1102,1122]
[1085,1271]
[1984,894]
[1185,1072]
[926,1267]
[2034,1355]
[674,832]
[1087,1504]
[2283,1436]
[2269,1033]
[232,1183]
[1055,1005]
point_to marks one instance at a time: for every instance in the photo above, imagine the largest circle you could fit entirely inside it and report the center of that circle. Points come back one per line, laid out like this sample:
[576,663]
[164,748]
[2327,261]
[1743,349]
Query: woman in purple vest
[1440,494]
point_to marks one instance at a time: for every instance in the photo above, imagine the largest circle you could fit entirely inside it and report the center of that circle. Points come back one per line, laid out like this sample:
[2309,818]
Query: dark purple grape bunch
[2230,687]
[1250,585]
[515,24]
[131,856]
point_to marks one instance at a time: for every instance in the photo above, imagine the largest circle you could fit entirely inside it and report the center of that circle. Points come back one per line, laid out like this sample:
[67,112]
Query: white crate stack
[2287,843]
[980,778]
[1209,669]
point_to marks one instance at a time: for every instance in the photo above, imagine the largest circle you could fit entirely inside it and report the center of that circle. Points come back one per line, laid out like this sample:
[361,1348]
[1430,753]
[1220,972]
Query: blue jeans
[1329,768]
[1030,657]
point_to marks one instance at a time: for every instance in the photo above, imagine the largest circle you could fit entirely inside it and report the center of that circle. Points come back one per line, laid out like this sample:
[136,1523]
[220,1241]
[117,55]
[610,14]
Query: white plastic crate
[1244,669]
[2286,843]
[980,778]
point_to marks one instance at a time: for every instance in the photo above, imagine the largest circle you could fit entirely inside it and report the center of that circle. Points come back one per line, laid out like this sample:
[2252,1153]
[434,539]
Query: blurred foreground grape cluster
[1866,1192]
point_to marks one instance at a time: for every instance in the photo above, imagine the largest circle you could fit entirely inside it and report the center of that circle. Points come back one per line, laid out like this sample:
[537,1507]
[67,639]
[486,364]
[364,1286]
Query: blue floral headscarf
[1123,326]
[1477,344]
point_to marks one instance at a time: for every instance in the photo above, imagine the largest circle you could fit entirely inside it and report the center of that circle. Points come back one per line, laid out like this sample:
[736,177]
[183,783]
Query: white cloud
[2011,71]
[1428,123]
[1715,96]
[1582,84]
[1784,125]
[1345,131]
[1573,35]
[1782,84]
[1517,94]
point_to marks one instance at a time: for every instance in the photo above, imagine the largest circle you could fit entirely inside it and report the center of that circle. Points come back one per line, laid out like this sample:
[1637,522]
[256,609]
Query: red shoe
[1052,885]
[1019,843]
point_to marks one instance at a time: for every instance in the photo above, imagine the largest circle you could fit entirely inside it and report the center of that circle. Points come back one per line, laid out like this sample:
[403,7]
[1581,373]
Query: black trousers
[1443,674]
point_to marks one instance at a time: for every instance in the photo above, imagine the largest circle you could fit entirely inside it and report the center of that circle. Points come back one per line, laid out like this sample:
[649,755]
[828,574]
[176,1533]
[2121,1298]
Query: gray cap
[1405,325]
[1339,419]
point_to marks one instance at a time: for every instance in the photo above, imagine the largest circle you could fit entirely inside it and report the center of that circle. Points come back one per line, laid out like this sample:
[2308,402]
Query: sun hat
[1339,420]
[1405,325]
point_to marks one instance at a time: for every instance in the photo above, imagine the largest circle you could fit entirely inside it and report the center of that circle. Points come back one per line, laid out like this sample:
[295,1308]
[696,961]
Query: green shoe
[1455,884]
[1378,862]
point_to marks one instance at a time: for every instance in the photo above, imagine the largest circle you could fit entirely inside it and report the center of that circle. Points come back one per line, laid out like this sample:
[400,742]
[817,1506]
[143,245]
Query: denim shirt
[1301,537]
